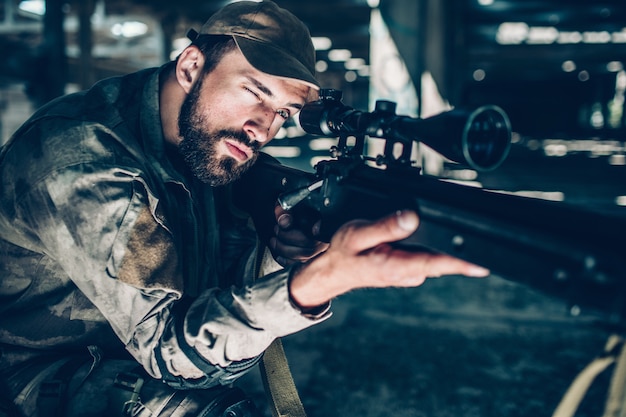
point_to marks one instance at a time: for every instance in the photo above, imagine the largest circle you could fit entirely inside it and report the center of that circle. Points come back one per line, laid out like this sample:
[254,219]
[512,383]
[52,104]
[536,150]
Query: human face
[230,113]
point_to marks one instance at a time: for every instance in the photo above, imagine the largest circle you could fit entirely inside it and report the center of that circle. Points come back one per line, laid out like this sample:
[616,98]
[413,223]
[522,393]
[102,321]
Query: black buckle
[52,388]
[131,383]
[51,397]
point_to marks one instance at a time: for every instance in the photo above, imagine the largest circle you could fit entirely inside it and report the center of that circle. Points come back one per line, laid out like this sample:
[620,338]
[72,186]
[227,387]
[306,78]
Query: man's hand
[289,244]
[360,255]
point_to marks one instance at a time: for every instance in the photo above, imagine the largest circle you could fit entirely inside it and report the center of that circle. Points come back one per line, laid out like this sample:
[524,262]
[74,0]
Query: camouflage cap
[272,39]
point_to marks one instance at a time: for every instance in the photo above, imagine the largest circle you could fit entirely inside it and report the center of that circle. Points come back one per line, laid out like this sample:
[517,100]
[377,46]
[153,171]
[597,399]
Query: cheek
[226,114]
[215,107]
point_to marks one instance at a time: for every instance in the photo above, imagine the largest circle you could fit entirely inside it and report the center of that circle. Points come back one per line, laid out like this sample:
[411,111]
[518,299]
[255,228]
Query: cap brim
[271,60]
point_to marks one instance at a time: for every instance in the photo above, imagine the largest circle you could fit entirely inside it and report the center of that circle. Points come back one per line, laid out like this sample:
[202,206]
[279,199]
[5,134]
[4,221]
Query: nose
[259,127]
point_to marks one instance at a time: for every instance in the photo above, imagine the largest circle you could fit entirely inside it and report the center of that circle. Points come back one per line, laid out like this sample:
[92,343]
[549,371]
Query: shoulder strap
[278,382]
[614,353]
[280,388]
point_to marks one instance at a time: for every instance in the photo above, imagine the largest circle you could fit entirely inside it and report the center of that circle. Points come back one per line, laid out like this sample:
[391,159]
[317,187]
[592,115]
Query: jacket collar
[152,128]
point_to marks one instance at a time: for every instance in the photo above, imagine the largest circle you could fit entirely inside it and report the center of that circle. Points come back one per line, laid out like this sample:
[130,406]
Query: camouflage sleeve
[102,225]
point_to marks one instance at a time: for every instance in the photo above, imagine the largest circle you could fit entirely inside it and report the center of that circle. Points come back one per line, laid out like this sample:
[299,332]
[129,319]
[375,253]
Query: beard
[200,144]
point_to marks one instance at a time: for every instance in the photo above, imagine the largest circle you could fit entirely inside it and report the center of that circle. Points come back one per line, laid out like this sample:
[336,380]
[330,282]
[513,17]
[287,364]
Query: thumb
[394,227]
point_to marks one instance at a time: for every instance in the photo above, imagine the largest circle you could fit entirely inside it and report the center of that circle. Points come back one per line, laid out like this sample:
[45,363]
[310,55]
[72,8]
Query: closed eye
[252,92]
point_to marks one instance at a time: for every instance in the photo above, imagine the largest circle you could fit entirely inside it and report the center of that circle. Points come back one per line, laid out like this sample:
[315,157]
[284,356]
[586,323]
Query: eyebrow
[269,93]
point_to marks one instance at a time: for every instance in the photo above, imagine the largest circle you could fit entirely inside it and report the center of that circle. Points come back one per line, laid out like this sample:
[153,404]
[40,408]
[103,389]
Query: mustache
[239,136]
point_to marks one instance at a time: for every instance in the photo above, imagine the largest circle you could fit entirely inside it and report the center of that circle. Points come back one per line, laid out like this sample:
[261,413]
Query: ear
[189,67]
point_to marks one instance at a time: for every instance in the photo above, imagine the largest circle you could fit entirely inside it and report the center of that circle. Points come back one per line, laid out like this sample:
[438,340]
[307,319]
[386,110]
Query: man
[128,281]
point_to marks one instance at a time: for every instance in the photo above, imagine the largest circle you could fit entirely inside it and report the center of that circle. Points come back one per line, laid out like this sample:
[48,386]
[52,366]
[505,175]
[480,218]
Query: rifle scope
[479,138]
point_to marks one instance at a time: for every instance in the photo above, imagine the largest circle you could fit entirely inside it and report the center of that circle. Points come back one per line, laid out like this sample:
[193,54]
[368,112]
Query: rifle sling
[614,353]
[278,382]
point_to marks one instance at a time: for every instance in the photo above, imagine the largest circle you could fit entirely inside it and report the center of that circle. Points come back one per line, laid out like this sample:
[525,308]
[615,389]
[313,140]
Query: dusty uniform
[107,241]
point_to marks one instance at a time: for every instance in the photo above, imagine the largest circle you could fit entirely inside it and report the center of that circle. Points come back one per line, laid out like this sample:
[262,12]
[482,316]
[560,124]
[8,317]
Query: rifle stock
[563,250]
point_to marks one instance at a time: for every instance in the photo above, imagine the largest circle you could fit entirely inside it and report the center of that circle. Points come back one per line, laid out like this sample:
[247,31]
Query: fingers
[284,221]
[361,235]
[385,265]
[294,246]
[290,245]
[389,267]
[368,244]
[447,265]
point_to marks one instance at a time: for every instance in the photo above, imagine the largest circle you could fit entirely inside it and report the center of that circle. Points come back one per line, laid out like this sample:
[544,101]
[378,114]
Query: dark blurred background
[455,347]
[556,67]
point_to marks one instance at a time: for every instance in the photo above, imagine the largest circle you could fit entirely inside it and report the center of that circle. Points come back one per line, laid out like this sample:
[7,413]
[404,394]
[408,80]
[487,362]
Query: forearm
[243,322]
[221,334]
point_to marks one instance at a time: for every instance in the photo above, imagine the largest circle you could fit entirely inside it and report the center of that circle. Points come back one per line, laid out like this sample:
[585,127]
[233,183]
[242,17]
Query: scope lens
[487,138]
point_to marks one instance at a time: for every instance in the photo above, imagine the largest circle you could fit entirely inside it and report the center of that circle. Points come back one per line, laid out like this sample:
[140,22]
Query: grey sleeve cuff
[240,323]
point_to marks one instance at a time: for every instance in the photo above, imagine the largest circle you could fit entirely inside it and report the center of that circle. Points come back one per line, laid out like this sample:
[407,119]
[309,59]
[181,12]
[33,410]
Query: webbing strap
[280,388]
[615,406]
[54,391]
[279,384]
[614,352]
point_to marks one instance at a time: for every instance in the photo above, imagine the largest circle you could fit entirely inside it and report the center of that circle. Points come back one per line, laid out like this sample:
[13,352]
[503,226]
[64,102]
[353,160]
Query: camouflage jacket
[104,242]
